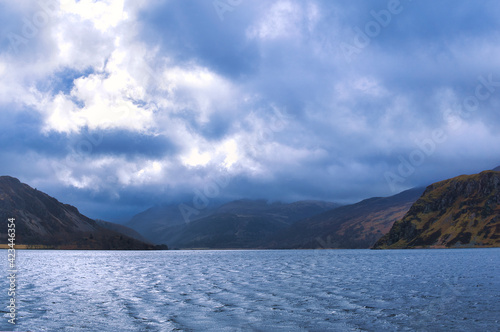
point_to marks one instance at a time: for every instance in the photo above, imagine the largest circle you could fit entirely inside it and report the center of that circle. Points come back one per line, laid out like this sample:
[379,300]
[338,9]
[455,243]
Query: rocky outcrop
[459,212]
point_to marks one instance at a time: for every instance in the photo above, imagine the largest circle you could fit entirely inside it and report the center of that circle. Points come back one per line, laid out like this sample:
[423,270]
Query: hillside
[358,225]
[460,212]
[237,224]
[121,229]
[42,220]
[163,223]
[260,224]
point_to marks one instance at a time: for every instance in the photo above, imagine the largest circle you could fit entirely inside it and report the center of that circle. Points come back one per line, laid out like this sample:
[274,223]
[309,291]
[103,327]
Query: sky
[115,106]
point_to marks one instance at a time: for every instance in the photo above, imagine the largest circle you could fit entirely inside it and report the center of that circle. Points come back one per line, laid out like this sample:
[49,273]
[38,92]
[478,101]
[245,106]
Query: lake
[256,290]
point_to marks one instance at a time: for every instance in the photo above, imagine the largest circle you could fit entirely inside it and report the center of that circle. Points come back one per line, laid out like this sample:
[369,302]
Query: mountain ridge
[357,225]
[246,223]
[171,228]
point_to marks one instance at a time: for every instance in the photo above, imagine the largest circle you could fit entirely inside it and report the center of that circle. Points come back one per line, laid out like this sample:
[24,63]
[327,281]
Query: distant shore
[66,247]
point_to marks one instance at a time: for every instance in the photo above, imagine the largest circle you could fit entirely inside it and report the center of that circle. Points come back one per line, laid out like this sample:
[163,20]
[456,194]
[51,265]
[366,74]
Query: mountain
[121,229]
[45,222]
[163,223]
[358,225]
[260,224]
[246,223]
[460,212]
[237,224]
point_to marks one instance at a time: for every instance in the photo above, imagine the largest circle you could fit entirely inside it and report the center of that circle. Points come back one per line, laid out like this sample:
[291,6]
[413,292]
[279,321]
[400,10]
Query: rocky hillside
[460,212]
[43,221]
[353,226]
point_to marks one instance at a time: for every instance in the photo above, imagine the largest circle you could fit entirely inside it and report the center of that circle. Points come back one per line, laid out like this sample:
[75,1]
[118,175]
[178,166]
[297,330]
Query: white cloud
[103,14]
[196,158]
[198,89]
[129,84]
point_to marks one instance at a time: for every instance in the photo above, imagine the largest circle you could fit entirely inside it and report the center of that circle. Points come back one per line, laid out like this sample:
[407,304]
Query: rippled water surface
[295,290]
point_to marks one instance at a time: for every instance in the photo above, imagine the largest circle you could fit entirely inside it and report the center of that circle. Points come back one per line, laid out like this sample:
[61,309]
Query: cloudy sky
[114,106]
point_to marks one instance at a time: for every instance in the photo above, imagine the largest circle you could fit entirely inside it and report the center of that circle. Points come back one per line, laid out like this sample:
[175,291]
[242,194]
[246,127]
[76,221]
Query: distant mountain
[358,225]
[163,223]
[497,169]
[246,223]
[122,229]
[460,212]
[237,224]
[42,220]
[260,224]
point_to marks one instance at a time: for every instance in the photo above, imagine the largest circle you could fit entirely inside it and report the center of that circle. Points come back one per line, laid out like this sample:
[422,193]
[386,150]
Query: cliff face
[459,212]
[43,220]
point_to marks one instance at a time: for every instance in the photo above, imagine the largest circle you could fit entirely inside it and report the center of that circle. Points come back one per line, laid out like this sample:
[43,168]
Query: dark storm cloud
[128,144]
[191,30]
[349,115]
[20,132]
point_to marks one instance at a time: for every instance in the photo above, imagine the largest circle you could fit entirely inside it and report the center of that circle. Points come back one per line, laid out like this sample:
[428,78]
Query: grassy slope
[463,211]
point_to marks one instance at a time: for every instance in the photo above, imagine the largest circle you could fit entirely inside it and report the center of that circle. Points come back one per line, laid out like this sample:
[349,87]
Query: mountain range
[459,212]
[237,224]
[261,224]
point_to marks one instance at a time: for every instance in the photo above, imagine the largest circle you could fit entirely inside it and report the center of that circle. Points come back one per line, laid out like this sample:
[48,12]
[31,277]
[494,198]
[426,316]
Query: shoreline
[47,247]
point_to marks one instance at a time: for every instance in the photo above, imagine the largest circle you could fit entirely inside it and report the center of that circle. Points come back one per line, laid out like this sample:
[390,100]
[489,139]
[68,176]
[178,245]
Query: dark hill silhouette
[44,221]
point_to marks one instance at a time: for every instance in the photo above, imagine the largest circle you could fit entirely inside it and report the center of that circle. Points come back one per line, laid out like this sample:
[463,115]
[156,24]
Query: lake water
[293,290]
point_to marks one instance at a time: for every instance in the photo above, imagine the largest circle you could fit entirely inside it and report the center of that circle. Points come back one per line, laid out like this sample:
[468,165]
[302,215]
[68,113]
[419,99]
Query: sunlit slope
[460,212]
